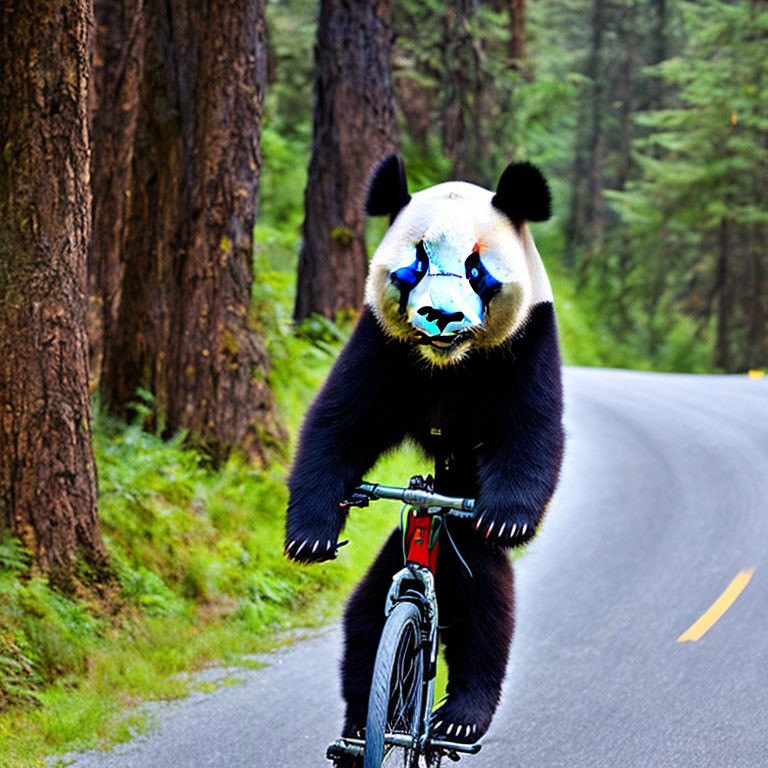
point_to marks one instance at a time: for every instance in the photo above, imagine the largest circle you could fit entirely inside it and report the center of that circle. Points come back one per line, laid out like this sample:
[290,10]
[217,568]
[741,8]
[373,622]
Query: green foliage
[659,163]
[697,212]
[44,635]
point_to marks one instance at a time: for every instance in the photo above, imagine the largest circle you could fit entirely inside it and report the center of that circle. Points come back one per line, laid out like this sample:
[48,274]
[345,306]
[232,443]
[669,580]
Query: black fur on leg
[477,614]
[363,623]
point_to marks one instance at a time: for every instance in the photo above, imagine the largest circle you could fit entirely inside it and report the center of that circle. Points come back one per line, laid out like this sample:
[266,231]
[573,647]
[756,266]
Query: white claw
[490,528]
[438,723]
[514,528]
[480,520]
[525,528]
[329,544]
[474,728]
[288,548]
[314,549]
[501,530]
[301,546]
[449,729]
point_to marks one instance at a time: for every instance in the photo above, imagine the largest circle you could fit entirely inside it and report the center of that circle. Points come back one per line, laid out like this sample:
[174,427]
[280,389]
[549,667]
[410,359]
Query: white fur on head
[459,216]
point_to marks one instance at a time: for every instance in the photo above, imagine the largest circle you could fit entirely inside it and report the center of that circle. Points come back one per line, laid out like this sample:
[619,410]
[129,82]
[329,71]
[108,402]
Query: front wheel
[395,701]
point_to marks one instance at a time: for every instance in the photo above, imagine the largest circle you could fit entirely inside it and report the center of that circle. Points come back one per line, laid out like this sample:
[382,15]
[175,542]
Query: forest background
[137,283]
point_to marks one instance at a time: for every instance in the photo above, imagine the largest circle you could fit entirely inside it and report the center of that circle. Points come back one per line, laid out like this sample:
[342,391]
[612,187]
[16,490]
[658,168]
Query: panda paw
[309,550]
[449,724]
[312,532]
[505,531]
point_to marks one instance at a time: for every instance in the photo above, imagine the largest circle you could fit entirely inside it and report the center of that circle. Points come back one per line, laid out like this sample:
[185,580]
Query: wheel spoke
[403,684]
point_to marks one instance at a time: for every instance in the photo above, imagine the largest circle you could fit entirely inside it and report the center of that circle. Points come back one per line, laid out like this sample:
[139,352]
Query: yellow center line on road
[697,630]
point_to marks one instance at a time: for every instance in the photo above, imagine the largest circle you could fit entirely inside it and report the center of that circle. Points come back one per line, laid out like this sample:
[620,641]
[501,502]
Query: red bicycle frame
[421,541]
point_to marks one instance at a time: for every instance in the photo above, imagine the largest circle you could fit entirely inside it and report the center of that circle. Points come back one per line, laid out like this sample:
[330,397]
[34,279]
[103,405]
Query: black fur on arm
[346,429]
[518,470]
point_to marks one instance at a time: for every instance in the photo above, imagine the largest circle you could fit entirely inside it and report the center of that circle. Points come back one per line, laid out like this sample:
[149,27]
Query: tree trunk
[756,346]
[184,328]
[586,205]
[659,52]
[517,30]
[353,128]
[117,69]
[463,92]
[135,351]
[596,146]
[47,474]
[723,357]
[627,39]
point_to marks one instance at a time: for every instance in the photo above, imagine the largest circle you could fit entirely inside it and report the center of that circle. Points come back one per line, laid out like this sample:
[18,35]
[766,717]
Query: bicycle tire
[395,700]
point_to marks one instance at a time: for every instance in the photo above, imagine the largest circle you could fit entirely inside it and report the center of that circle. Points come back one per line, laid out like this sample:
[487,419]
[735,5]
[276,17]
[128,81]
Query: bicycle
[397,731]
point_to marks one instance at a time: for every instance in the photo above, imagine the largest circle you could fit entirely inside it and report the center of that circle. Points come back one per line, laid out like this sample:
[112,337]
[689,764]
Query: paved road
[663,501]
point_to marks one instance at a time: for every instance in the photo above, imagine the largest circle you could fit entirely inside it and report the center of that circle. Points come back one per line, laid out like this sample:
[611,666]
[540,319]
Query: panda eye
[483,283]
[406,278]
[422,258]
[474,267]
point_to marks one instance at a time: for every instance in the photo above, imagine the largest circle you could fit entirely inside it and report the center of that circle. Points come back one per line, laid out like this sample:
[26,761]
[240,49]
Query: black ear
[523,194]
[388,189]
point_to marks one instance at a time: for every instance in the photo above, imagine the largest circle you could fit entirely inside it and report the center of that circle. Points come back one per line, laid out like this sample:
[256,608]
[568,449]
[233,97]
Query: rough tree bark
[117,69]
[184,329]
[585,219]
[47,475]
[353,128]
[463,140]
[517,30]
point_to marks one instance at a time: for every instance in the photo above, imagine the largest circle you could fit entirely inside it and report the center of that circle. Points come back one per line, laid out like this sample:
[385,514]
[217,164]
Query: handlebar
[417,497]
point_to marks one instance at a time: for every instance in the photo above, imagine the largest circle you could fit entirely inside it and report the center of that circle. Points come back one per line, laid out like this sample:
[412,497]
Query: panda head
[457,268]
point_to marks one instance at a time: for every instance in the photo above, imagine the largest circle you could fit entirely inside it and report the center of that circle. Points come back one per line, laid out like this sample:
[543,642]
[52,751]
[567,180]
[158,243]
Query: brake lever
[357,499]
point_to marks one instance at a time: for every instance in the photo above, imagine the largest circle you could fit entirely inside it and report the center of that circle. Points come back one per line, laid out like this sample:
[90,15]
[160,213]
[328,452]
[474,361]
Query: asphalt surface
[663,501]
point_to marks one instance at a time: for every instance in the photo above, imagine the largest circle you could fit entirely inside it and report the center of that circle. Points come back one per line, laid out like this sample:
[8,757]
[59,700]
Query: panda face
[454,273]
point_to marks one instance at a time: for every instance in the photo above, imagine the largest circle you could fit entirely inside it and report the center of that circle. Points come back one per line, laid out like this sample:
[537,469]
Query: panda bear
[456,350]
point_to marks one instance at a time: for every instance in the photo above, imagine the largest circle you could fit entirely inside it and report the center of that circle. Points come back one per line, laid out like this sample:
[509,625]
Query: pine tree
[699,214]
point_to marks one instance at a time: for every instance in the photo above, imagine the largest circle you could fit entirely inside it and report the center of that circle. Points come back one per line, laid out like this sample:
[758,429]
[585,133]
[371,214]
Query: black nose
[440,318]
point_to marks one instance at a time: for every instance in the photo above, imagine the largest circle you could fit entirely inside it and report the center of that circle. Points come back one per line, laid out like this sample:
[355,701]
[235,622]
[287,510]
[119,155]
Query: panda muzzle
[445,341]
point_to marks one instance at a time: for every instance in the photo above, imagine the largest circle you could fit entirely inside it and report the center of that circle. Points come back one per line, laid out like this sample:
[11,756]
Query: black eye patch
[485,285]
[406,278]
